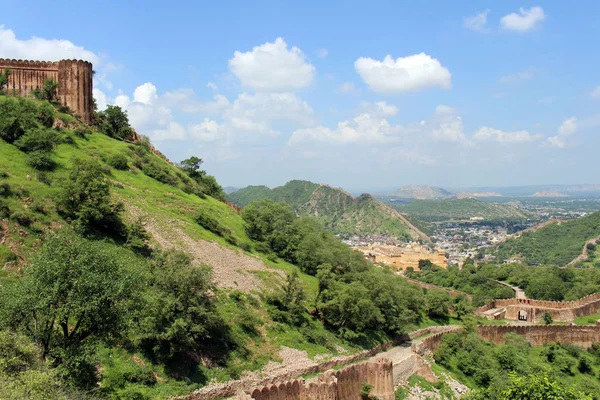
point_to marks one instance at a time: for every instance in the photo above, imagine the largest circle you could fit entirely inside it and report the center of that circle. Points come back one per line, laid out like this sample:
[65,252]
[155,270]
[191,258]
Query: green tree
[180,318]
[74,293]
[437,302]
[4,78]
[547,318]
[191,166]
[540,386]
[49,91]
[86,197]
[115,123]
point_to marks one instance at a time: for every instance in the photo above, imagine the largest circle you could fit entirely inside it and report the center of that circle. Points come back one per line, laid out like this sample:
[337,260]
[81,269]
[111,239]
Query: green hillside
[124,276]
[460,210]
[339,211]
[557,243]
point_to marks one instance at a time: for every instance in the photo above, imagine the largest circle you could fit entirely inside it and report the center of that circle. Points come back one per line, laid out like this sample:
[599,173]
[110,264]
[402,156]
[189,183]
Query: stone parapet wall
[548,304]
[345,384]
[74,78]
[430,343]
[538,335]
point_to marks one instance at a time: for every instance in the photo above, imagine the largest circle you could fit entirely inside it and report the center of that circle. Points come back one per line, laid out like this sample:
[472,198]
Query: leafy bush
[86,197]
[4,210]
[38,140]
[41,160]
[22,218]
[49,91]
[114,122]
[118,161]
[212,224]
[158,171]
[5,190]
[82,131]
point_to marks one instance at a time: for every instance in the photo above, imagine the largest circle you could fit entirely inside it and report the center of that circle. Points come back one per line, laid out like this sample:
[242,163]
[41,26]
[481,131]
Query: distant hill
[460,210]
[549,194]
[339,211]
[555,243]
[229,189]
[466,195]
[420,192]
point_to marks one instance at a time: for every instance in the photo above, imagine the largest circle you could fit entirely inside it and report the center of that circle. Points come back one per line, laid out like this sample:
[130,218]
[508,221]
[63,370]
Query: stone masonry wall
[429,344]
[345,384]
[538,335]
[74,78]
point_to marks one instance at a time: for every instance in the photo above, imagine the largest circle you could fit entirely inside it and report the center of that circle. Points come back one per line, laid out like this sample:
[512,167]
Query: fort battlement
[345,384]
[74,78]
[534,310]
[538,335]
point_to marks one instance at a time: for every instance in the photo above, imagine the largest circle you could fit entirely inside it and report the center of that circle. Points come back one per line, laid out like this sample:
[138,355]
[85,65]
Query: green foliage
[48,92]
[438,302]
[4,78]
[86,197]
[41,139]
[556,243]
[180,318]
[547,318]
[289,305]
[540,386]
[210,223]
[19,115]
[114,122]
[118,161]
[41,160]
[5,190]
[338,211]
[75,292]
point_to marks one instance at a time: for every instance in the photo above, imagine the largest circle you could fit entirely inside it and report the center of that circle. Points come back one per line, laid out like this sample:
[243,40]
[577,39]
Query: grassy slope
[556,243]
[459,210]
[166,206]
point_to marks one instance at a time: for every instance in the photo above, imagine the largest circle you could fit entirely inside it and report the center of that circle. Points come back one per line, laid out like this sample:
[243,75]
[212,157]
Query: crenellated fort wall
[534,310]
[74,78]
[538,335]
[345,384]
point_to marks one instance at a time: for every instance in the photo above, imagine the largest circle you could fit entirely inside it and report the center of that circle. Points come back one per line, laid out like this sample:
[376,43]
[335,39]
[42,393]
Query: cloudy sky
[363,95]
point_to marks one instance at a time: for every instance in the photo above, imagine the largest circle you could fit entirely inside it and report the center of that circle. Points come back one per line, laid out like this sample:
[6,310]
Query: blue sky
[362,95]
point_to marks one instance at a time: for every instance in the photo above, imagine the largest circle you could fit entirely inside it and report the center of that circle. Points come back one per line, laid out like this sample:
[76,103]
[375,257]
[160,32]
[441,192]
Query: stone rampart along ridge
[430,343]
[228,389]
[538,335]
[74,78]
[345,384]
[534,310]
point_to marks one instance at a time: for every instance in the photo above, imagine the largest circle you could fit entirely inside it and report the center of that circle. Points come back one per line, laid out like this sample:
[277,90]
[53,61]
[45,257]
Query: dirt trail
[584,253]
[232,269]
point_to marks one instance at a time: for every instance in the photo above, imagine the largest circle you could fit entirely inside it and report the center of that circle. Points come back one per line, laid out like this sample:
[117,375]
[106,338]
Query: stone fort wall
[74,78]
[534,310]
[538,335]
[345,384]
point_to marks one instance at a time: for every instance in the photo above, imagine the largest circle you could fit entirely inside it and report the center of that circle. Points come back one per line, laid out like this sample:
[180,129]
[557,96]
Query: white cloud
[477,22]
[486,134]
[347,87]
[267,108]
[212,86]
[446,125]
[145,93]
[596,93]
[272,67]
[371,128]
[524,21]
[322,53]
[101,98]
[206,131]
[41,49]
[568,128]
[518,77]
[405,74]
[187,101]
[380,109]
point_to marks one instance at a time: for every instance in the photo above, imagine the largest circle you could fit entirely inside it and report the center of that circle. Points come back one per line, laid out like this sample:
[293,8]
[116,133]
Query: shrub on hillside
[22,218]
[114,122]
[40,160]
[158,171]
[82,131]
[5,190]
[19,115]
[86,197]
[4,210]
[118,161]
[210,223]
[38,140]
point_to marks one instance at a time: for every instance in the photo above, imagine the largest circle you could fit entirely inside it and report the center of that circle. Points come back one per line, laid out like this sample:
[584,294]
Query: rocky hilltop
[420,192]
[338,210]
